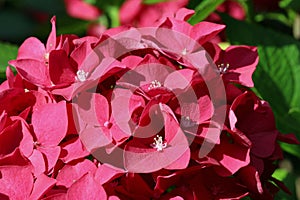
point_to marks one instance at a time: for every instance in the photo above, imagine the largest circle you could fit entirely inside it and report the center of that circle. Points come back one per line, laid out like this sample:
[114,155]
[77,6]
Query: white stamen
[107,124]
[46,56]
[158,143]
[36,143]
[223,68]
[81,75]
[26,90]
[184,51]
[187,122]
[154,84]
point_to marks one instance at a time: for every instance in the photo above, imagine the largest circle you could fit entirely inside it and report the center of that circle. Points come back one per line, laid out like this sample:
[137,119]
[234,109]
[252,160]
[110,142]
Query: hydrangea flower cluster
[150,113]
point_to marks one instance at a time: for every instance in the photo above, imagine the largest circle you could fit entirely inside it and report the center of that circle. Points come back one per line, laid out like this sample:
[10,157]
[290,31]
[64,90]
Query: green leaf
[289,180]
[69,25]
[7,52]
[290,4]
[204,9]
[277,77]
[280,174]
[153,1]
[291,149]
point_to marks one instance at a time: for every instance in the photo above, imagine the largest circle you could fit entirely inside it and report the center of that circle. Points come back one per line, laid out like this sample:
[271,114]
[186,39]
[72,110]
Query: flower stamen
[223,68]
[184,52]
[81,75]
[187,122]
[158,143]
[154,84]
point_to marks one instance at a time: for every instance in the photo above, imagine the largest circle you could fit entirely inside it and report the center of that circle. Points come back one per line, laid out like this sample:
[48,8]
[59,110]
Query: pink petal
[38,161]
[26,145]
[16,182]
[86,188]
[74,171]
[180,79]
[204,31]
[51,155]
[182,162]
[121,115]
[140,158]
[32,48]
[50,123]
[73,149]
[134,6]
[93,137]
[82,10]
[51,42]
[106,173]
[41,185]
[33,71]
[184,14]
[80,53]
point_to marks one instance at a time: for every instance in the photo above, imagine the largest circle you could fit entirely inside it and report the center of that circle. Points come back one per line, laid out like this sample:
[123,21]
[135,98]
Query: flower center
[36,143]
[184,51]
[158,143]
[107,124]
[187,122]
[223,68]
[81,75]
[46,56]
[154,84]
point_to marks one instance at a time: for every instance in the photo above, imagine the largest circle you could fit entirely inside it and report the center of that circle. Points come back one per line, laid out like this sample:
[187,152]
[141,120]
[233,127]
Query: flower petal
[74,171]
[86,188]
[16,182]
[50,123]
[41,185]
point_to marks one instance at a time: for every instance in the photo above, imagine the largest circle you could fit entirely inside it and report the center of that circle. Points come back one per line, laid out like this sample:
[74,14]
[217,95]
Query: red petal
[241,70]
[60,69]
[10,138]
[249,176]
[263,144]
